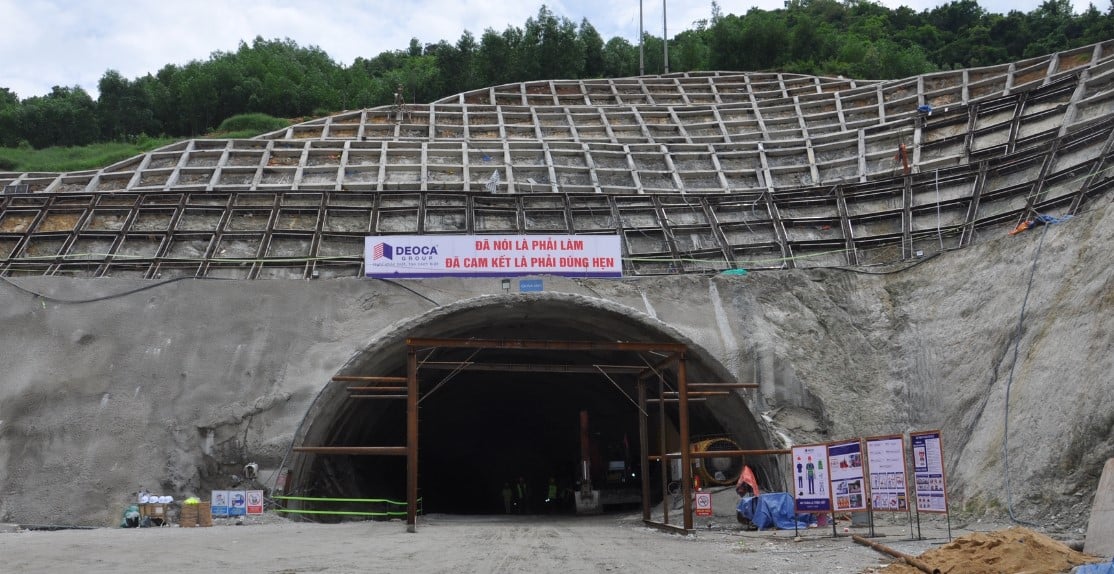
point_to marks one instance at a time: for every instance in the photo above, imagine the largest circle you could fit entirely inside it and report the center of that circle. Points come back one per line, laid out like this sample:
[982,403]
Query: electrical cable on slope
[1009,383]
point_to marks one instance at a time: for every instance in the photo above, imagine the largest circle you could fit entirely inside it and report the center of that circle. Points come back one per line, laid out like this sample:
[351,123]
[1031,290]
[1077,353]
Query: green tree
[592,44]
[9,118]
[64,117]
[123,108]
[620,58]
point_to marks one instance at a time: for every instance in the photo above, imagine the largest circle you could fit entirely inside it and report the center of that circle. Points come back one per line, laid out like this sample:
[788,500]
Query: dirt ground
[443,543]
[1015,549]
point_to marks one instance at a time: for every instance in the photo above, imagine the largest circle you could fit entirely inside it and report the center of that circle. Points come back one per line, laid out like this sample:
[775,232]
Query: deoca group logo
[382,251]
[402,254]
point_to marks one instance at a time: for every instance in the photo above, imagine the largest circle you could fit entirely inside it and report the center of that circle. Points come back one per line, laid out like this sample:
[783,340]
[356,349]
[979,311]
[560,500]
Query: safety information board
[885,457]
[845,467]
[810,478]
[928,471]
[703,504]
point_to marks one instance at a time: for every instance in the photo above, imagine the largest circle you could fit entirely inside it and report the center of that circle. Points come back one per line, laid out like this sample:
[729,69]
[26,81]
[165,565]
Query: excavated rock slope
[169,387]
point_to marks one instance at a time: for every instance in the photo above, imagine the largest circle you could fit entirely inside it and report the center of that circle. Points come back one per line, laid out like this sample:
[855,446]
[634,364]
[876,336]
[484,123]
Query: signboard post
[929,485]
[417,256]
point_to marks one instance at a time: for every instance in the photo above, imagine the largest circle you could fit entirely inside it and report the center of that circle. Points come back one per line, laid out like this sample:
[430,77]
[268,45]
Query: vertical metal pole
[866,484]
[665,41]
[643,449]
[411,440]
[665,501]
[686,455]
[641,37]
[585,455]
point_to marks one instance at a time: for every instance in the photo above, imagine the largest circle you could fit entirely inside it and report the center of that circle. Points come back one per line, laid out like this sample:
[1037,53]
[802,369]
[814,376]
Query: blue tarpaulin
[1105,568]
[772,510]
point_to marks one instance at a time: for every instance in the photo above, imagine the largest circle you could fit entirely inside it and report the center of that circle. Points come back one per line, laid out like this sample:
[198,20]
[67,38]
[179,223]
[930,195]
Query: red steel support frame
[676,354]
[411,440]
[686,454]
[644,448]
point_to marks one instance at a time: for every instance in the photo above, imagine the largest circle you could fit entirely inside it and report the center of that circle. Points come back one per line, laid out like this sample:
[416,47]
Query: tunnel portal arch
[481,429]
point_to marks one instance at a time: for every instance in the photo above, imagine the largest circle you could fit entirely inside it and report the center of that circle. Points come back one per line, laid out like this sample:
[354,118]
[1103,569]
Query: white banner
[409,256]
[885,457]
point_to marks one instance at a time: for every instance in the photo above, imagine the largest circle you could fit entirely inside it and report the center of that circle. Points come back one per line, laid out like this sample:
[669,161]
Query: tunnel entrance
[490,416]
[529,429]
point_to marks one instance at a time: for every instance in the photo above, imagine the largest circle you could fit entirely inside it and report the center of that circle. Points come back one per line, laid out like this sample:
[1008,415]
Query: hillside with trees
[855,38]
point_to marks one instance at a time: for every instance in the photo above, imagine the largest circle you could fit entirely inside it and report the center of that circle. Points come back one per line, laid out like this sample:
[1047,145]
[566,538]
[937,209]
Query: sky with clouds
[49,43]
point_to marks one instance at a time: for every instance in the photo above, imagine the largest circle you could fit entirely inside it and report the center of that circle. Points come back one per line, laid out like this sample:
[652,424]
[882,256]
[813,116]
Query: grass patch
[96,156]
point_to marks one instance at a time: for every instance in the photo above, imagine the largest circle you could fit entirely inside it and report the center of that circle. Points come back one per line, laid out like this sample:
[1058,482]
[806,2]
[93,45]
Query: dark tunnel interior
[482,431]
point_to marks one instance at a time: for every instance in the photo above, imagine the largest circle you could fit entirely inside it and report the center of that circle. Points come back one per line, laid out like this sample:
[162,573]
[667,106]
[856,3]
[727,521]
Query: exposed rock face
[174,386]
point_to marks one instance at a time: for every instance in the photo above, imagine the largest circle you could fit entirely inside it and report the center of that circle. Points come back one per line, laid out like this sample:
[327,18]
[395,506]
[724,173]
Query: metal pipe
[641,38]
[354,450]
[368,379]
[665,36]
[910,560]
[723,453]
[377,389]
[377,396]
[722,386]
[670,394]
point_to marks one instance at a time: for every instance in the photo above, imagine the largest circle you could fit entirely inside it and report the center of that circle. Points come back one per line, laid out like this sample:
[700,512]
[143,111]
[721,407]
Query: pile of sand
[1012,551]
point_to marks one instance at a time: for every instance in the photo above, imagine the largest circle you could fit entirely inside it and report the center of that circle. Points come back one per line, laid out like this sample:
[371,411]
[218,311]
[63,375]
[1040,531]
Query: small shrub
[252,123]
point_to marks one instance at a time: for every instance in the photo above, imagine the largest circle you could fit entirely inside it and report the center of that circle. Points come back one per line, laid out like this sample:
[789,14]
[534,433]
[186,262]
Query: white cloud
[73,42]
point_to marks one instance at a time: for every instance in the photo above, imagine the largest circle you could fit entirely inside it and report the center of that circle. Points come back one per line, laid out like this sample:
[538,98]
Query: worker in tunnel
[508,497]
[522,496]
[551,501]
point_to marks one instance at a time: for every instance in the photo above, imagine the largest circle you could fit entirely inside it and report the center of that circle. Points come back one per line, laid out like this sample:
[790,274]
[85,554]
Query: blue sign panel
[527,285]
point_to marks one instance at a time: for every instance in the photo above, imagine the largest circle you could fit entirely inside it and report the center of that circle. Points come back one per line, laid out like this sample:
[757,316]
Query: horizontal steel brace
[542,345]
[354,450]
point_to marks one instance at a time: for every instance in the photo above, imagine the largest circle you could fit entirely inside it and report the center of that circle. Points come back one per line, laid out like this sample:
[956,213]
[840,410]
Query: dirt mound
[1012,551]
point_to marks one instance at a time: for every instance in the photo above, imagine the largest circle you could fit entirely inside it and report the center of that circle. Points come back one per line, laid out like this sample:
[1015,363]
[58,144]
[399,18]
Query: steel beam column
[644,450]
[686,458]
[411,440]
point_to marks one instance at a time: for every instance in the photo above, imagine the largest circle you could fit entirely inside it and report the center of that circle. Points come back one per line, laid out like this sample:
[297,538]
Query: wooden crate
[188,518]
[204,513]
[156,512]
